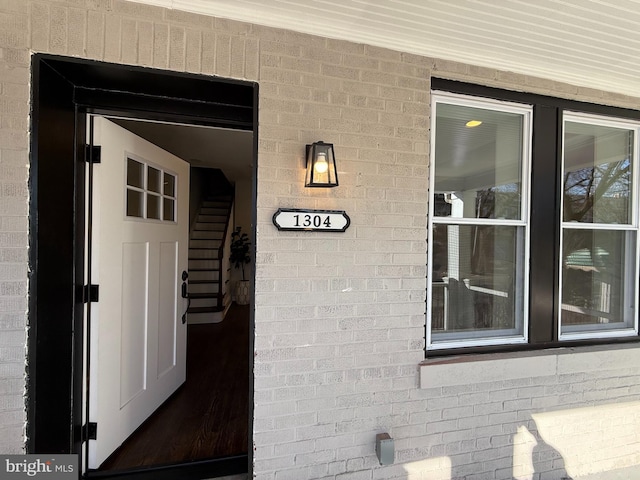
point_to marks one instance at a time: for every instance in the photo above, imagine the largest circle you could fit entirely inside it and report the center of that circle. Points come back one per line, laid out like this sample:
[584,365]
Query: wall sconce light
[321,166]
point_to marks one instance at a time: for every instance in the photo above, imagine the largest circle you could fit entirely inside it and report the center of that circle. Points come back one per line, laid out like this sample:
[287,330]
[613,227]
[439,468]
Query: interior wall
[339,317]
[242,218]
[196,188]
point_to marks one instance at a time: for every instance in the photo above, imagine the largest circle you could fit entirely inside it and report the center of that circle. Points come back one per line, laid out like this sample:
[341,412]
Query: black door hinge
[92,154]
[92,431]
[90,293]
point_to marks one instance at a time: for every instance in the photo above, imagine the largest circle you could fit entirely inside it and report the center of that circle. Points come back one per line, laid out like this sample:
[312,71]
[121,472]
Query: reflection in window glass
[478,171]
[478,258]
[598,280]
[477,281]
[597,173]
[598,264]
[153,180]
[135,173]
[135,201]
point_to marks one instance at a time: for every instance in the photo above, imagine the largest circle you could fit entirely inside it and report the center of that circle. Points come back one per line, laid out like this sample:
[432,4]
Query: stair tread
[204,295]
[201,282]
[204,309]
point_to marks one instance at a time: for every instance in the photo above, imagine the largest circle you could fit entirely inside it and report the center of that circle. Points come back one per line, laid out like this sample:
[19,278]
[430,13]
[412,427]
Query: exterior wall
[558,413]
[339,316]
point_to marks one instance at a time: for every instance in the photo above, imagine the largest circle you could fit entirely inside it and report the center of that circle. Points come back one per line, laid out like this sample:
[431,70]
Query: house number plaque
[311,220]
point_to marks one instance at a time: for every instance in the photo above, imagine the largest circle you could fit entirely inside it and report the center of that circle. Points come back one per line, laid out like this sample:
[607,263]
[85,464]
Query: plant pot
[242,292]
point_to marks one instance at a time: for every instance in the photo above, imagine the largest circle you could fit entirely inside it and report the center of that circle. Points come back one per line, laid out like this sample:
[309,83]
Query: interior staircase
[208,265]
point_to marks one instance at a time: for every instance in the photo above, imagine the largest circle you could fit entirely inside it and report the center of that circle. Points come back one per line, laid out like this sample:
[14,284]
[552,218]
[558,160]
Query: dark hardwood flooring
[208,416]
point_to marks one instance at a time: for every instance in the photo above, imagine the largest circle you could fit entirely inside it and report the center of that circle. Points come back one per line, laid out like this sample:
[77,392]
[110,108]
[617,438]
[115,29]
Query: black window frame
[544,221]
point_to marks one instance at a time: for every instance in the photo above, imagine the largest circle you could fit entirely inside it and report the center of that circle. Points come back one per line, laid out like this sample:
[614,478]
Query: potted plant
[239,258]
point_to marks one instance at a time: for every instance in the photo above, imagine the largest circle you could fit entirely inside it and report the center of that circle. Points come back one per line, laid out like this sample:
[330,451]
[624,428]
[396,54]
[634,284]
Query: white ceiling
[228,150]
[593,43]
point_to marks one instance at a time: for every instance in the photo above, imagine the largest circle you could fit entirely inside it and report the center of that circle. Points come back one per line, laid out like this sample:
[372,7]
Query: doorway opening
[65,92]
[166,367]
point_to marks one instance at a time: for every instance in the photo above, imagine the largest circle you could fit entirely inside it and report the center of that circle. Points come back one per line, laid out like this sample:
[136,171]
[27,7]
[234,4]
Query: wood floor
[208,416]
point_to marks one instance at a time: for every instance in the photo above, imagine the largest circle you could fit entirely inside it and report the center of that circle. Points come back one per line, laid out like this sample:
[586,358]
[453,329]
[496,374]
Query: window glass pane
[134,203]
[478,167]
[153,206]
[169,185]
[477,282]
[135,173]
[598,280]
[597,173]
[153,182]
[168,210]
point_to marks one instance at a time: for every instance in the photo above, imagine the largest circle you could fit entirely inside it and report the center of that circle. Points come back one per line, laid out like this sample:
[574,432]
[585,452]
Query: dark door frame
[64,90]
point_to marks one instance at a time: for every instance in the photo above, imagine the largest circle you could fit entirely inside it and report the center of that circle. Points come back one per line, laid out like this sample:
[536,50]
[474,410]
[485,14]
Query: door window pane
[479,162]
[135,202]
[135,173]
[169,185]
[168,213]
[598,280]
[153,197]
[153,181]
[477,281]
[153,206]
[597,173]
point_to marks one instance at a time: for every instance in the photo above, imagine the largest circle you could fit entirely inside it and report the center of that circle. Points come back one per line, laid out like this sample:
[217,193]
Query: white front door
[139,251]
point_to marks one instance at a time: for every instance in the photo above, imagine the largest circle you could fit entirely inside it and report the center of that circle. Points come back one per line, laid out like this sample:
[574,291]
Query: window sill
[492,367]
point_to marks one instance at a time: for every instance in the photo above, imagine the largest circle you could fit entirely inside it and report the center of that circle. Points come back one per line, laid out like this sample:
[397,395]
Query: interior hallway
[208,416]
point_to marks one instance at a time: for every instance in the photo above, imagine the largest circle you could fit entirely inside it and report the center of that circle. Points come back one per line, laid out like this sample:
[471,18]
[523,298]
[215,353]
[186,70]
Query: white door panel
[138,341]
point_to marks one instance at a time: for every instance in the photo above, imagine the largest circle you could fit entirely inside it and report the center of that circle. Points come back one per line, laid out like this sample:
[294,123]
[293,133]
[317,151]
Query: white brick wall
[558,413]
[14,109]
[339,316]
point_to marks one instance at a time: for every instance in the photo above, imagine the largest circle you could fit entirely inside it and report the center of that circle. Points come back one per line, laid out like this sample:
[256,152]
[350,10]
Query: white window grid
[145,192]
[633,256]
[502,106]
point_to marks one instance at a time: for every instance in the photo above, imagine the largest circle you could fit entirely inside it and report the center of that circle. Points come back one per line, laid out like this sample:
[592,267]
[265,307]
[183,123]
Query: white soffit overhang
[592,43]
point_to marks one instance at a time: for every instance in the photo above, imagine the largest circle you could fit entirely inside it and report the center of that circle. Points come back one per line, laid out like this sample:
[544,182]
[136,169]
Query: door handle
[185,276]
[185,294]
[184,290]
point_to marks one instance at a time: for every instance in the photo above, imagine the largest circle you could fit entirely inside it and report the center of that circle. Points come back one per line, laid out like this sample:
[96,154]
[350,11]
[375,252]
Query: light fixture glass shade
[321,166]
